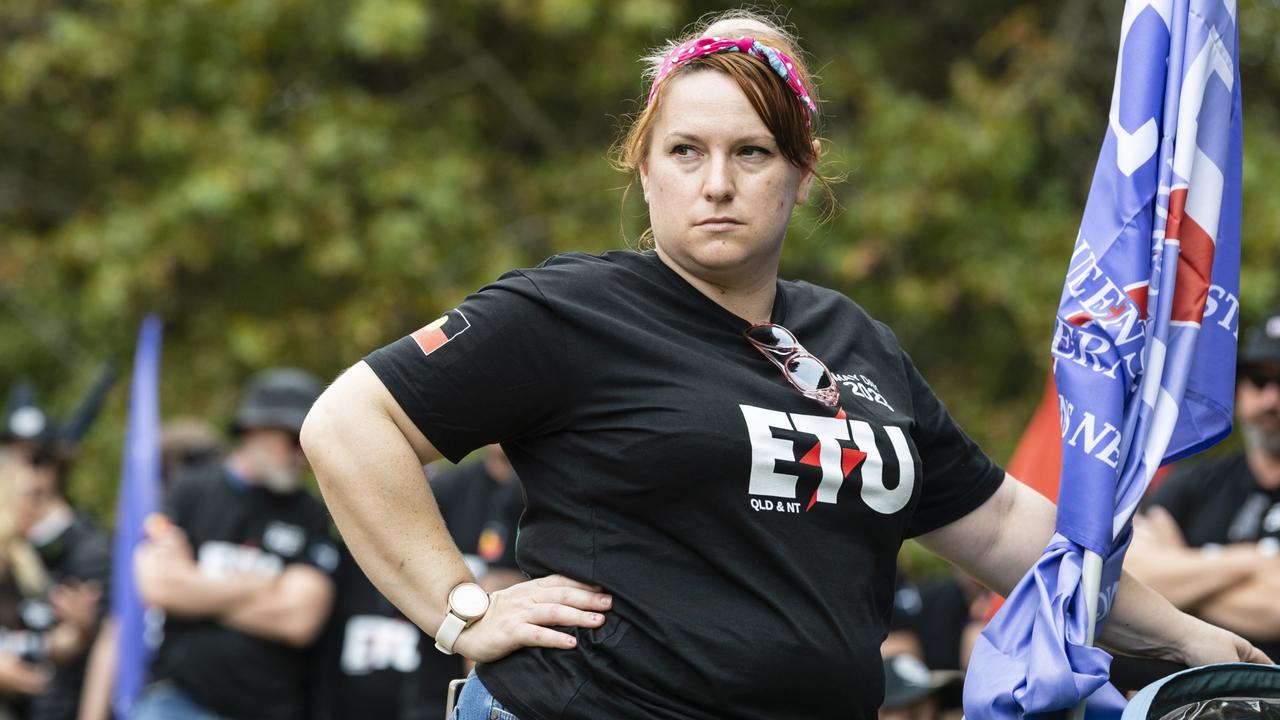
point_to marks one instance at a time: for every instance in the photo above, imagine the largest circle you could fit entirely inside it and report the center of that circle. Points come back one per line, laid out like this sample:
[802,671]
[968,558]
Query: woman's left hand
[1205,644]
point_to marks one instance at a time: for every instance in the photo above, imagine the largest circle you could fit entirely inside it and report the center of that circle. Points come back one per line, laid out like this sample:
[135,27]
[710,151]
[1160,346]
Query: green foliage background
[301,181]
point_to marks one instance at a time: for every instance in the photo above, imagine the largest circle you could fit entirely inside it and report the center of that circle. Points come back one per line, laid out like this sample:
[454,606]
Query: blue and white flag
[1144,343]
[139,496]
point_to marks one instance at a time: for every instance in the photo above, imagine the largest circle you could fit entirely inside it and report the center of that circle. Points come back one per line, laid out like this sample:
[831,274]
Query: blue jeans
[165,701]
[476,703]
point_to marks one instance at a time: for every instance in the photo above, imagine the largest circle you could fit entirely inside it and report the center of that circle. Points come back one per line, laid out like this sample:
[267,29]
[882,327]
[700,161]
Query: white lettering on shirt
[765,449]
[842,446]
[863,387]
[218,559]
[372,642]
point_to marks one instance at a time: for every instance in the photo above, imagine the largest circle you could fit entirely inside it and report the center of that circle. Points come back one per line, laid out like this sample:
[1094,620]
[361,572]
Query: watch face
[469,600]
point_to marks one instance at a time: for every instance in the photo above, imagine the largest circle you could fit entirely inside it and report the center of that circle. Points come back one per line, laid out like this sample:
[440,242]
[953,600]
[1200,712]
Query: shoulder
[88,548]
[196,481]
[580,275]
[88,533]
[839,311]
[1203,476]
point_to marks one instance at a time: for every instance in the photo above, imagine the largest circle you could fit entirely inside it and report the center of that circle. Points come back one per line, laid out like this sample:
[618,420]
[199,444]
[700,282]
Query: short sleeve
[958,476]
[493,370]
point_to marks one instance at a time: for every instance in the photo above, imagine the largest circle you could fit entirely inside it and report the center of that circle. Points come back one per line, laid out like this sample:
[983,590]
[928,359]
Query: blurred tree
[300,182]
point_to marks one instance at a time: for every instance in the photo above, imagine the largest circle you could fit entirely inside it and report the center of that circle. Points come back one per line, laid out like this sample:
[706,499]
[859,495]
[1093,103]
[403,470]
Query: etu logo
[843,446]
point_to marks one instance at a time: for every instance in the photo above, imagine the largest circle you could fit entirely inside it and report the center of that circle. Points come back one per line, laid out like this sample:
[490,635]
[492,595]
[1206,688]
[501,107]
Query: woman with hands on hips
[720,466]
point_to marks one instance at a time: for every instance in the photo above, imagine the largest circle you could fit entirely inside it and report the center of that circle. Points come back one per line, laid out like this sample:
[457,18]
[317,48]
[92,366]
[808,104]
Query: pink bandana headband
[777,60]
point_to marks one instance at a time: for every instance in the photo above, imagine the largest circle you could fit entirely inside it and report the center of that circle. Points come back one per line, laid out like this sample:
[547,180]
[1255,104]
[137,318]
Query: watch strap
[448,633]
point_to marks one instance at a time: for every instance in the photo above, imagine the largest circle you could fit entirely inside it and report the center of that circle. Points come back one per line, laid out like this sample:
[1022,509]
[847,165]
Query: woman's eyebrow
[735,141]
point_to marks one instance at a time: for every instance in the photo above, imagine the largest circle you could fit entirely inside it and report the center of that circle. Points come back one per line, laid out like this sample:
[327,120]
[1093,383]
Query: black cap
[278,398]
[23,417]
[908,680]
[1262,344]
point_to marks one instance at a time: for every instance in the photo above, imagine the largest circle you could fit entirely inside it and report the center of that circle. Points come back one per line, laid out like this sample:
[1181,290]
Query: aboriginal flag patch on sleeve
[438,333]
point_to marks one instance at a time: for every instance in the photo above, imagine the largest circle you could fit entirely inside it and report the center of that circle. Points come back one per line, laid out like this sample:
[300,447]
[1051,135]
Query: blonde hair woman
[41,625]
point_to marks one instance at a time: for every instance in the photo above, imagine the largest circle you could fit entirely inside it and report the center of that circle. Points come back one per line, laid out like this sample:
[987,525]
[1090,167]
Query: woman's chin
[727,255]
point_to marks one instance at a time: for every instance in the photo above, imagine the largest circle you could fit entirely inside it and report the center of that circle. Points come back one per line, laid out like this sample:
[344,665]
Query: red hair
[779,109]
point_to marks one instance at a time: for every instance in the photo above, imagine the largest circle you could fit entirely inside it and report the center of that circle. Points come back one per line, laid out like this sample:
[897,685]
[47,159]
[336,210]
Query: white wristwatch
[468,602]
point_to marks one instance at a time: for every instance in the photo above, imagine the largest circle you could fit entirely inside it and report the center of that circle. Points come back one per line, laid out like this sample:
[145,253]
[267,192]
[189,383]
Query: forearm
[371,477]
[291,610]
[67,642]
[95,697]
[1143,622]
[181,590]
[1190,577]
[1249,609]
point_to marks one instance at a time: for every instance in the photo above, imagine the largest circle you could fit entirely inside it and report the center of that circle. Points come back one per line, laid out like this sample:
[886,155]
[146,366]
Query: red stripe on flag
[1195,261]
[429,339]
[1139,295]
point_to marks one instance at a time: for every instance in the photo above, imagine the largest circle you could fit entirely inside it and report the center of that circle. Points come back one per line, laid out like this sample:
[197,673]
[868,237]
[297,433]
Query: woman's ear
[644,178]
[806,180]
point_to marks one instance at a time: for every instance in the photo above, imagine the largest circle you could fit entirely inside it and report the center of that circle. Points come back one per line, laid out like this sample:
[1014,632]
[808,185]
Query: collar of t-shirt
[777,316]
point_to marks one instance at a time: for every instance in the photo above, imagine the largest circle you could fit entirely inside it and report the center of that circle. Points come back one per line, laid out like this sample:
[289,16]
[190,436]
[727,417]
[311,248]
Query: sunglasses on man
[1260,376]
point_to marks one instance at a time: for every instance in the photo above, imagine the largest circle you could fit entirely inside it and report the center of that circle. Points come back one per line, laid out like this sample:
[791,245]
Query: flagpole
[1091,588]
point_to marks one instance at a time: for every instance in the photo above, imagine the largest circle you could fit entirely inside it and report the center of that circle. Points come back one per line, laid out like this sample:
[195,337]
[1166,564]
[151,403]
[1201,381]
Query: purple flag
[138,497]
[1144,342]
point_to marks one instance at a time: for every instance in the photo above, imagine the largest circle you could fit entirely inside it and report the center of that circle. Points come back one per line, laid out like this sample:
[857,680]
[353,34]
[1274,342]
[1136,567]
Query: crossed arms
[1233,586]
[290,608]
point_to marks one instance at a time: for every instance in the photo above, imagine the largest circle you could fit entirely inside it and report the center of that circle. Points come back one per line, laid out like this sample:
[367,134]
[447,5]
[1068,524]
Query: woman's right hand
[520,616]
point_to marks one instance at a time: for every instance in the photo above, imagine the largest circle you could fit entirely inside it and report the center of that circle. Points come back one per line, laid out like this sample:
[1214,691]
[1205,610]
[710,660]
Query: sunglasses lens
[808,373]
[1261,377]
[773,337]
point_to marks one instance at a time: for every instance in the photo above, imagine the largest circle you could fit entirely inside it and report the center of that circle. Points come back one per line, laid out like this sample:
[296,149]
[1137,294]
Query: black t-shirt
[747,533]
[482,514]
[373,662]
[234,527]
[25,619]
[79,553]
[1216,502]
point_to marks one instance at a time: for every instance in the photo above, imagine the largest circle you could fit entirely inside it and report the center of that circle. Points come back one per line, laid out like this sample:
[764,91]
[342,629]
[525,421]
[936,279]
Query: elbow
[321,436]
[300,635]
[317,427]
[312,600]
[303,628]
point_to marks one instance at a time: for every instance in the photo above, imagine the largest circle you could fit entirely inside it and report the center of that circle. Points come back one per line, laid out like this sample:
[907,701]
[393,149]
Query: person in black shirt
[1209,536]
[186,444]
[719,466]
[373,662]
[43,625]
[73,550]
[240,562]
